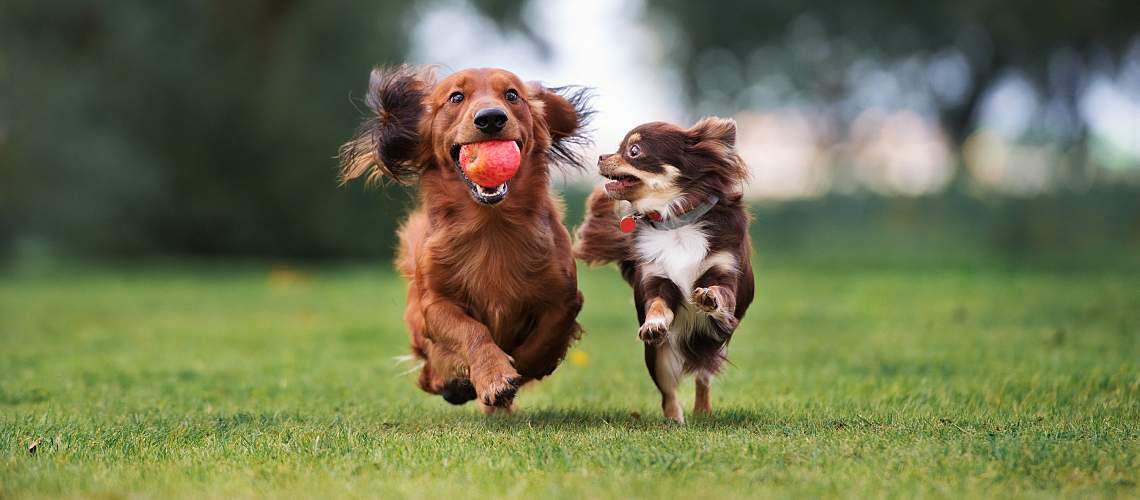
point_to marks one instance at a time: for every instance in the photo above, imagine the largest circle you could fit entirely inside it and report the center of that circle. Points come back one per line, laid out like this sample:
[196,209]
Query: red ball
[490,163]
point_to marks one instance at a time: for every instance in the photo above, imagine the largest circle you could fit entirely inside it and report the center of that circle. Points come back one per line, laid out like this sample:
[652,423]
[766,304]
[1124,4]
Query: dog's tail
[599,239]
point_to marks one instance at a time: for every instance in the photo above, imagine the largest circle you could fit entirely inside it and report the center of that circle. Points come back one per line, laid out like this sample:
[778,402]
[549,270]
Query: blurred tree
[193,127]
[818,48]
[199,127]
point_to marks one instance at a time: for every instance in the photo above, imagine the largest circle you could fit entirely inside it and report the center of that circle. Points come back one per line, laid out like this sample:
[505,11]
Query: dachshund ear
[566,112]
[389,142]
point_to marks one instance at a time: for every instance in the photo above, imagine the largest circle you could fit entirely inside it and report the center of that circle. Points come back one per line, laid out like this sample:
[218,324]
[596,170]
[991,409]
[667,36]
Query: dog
[672,217]
[492,286]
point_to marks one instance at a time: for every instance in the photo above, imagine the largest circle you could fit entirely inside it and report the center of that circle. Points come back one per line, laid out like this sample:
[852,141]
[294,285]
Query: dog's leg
[661,298]
[715,295]
[430,379]
[665,367]
[664,361]
[444,371]
[658,318]
[545,346]
[491,370]
[701,404]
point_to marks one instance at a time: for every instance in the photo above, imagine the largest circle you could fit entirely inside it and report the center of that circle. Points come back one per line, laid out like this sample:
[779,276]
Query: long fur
[492,289]
[388,142]
[674,272]
[569,141]
[598,239]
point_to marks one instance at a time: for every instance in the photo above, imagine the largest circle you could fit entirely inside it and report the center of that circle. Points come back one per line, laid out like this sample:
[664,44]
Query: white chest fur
[677,254]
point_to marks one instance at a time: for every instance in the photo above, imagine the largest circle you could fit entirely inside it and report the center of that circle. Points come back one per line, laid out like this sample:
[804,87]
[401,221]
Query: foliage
[205,127]
[208,128]
[818,44]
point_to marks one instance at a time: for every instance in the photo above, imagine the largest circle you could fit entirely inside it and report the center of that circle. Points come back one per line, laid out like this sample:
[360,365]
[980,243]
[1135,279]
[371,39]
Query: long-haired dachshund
[671,216]
[492,287]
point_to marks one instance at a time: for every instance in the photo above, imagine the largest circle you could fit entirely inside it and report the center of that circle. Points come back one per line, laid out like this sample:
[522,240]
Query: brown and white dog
[492,288]
[672,218]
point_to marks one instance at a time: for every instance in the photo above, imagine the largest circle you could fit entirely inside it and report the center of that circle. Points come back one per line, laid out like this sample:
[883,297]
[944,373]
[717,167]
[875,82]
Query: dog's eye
[634,151]
[511,95]
[456,97]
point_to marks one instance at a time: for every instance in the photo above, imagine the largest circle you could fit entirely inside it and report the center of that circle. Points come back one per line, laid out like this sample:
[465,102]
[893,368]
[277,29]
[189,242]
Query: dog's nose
[602,158]
[490,120]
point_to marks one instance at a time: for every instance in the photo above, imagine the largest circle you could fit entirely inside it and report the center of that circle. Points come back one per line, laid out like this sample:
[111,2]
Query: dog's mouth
[620,183]
[482,194]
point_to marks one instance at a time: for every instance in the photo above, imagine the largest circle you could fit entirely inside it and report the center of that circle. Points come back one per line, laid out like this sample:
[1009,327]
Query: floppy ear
[566,112]
[389,142]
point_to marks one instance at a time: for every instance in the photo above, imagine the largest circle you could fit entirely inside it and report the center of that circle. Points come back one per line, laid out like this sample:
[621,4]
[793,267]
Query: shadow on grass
[575,418]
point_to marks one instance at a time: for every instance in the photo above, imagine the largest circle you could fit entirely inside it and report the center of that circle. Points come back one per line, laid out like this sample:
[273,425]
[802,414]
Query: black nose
[602,158]
[490,120]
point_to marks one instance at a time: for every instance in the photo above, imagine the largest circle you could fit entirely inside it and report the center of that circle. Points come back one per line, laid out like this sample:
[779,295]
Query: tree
[197,127]
[1052,42]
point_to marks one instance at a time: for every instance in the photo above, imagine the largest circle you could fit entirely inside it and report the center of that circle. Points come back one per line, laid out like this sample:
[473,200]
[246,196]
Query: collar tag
[627,224]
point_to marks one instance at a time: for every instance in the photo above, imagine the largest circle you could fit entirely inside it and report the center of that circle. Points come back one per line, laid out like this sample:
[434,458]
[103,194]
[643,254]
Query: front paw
[497,386]
[718,303]
[654,331]
[706,299]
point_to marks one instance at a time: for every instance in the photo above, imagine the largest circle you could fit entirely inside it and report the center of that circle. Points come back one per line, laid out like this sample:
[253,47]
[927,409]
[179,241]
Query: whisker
[399,360]
[414,367]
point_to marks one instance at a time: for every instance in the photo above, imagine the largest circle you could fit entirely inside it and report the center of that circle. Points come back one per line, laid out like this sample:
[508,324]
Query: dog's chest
[676,254]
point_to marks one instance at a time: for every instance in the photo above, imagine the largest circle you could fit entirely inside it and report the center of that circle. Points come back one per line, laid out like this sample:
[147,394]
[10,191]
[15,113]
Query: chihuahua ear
[713,132]
[566,112]
[713,142]
[389,142]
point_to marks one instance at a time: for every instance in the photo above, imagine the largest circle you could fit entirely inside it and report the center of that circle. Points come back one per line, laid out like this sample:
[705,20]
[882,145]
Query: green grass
[849,381]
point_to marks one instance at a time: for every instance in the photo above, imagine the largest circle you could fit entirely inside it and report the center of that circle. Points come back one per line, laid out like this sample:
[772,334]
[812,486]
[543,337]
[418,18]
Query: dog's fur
[693,284]
[492,287]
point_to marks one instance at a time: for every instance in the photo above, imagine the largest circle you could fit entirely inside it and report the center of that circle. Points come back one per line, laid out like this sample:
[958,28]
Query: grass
[848,381]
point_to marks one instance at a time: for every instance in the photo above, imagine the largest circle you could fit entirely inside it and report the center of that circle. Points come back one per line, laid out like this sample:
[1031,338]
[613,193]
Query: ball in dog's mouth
[487,168]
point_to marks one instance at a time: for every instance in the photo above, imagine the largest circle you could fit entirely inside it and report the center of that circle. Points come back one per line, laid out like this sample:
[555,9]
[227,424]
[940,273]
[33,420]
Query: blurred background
[881,129]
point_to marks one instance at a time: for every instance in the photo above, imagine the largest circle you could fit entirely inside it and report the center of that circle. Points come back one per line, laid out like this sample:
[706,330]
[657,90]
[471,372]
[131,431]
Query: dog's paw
[458,391]
[495,378]
[501,393]
[653,331]
[506,410]
[706,299]
[718,304]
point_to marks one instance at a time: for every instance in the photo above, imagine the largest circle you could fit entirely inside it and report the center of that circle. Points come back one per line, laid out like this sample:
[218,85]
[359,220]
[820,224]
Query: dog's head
[658,163]
[418,123]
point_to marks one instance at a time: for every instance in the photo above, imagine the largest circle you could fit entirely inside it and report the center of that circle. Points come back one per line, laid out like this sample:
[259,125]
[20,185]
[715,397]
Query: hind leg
[662,357]
[666,367]
[702,405]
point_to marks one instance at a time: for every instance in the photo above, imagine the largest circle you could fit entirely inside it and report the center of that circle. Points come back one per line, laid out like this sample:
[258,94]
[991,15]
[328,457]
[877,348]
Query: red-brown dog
[493,292]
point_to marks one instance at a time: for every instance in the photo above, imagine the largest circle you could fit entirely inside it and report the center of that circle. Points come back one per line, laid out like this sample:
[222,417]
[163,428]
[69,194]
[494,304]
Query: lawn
[849,380]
